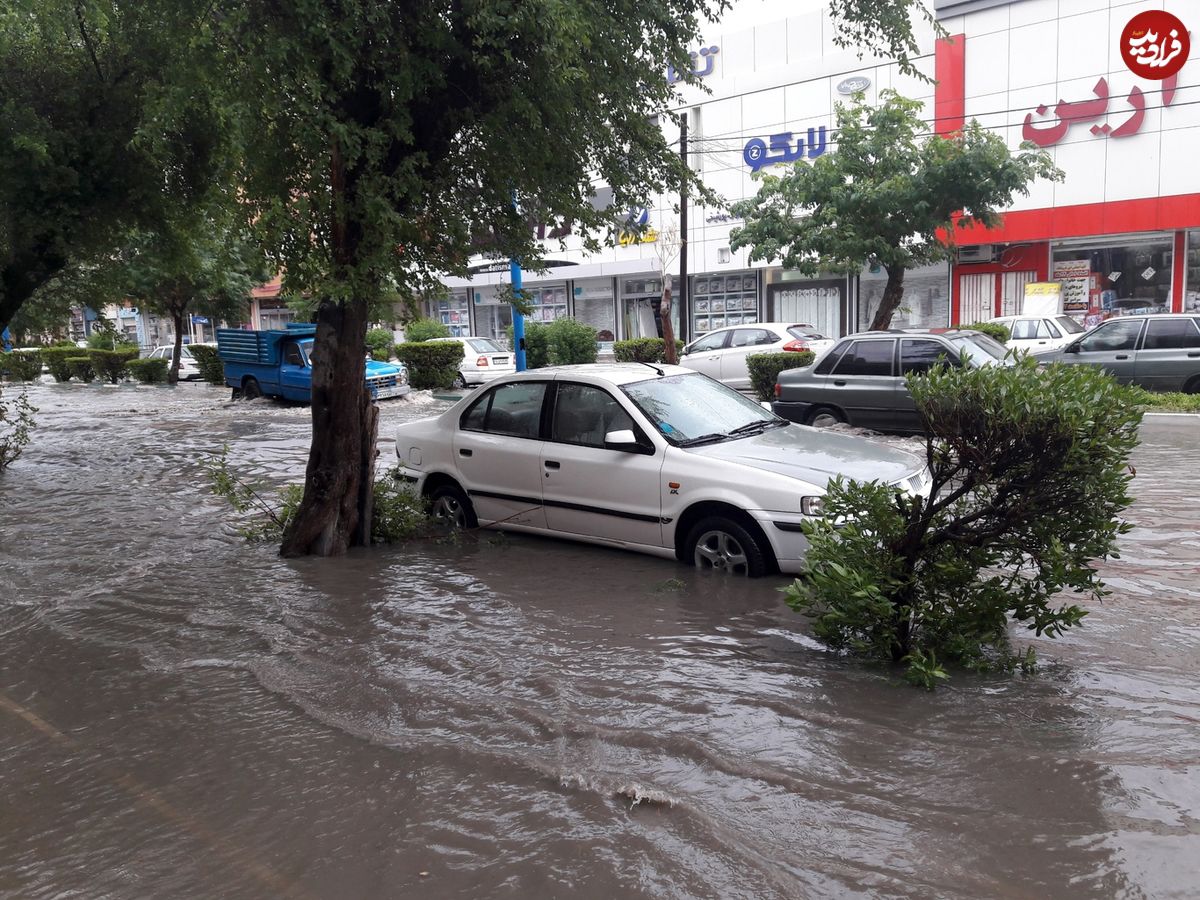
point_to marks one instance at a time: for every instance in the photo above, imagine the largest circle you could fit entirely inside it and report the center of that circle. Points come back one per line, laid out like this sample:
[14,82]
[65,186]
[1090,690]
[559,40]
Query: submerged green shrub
[431,366]
[22,365]
[56,361]
[112,365]
[209,362]
[149,371]
[995,330]
[1030,476]
[81,368]
[644,349]
[765,368]
[423,330]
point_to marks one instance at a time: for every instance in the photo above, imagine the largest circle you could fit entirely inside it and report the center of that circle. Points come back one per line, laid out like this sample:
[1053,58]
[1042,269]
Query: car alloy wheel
[722,544]
[449,506]
[825,418]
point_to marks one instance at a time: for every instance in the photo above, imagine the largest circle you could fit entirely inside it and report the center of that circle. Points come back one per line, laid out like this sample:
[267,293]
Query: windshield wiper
[712,438]
[758,426]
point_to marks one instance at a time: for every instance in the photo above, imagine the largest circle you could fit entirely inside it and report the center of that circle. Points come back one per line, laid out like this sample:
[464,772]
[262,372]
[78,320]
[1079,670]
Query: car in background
[189,369]
[1039,334]
[721,354]
[483,360]
[1159,352]
[652,458]
[861,380]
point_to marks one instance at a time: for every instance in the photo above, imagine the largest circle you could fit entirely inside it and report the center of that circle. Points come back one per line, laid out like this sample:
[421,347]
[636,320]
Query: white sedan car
[657,459]
[1040,334]
[721,354]
[189,369]
[483,360]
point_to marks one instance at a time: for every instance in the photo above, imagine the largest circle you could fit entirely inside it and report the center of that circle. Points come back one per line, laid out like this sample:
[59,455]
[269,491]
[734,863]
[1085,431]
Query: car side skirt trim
[578,507]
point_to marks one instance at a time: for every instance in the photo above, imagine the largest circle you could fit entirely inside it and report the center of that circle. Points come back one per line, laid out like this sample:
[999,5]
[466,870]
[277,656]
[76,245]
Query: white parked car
[189,370]
[1038,334]
[657,459]
[483,360]
[721,354]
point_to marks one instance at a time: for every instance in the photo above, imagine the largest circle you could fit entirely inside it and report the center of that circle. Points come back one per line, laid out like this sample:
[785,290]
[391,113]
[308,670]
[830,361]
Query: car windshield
[486,345]
[981,350]
[692,409]
[1069,325]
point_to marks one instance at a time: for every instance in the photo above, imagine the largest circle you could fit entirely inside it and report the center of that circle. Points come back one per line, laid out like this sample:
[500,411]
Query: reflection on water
[183,715]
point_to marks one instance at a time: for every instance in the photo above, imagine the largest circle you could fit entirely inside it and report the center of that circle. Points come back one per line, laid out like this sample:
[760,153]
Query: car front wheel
[451,507]
[721,545]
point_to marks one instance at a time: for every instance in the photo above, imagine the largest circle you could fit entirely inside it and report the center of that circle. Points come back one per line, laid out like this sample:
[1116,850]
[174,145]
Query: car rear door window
[1112,336]
[1024,329]
[825,366]
[751,337]
[514,409]
[867,358]
[1171,334]
[919,356]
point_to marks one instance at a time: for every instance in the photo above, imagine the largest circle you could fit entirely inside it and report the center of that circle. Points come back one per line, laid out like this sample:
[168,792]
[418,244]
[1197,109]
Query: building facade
[1121,233]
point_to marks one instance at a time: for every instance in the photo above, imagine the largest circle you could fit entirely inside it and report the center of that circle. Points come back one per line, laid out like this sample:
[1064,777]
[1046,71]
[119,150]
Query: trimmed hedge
[81,368]
[994,330]
[431,366]
[379,344]
[209,362]
[423,329]
[765,368]
[563,342]
[644,349]
[149,371]
[22,365]
[56,361]
[112,365]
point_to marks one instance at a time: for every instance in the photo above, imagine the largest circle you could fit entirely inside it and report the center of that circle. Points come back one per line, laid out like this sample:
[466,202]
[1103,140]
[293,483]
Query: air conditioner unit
[980,253]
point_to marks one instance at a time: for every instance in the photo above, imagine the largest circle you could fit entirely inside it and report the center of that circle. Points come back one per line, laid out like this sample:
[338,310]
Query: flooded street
[186,715]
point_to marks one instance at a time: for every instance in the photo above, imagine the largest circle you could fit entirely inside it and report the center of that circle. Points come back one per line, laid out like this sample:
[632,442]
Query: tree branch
[87,39]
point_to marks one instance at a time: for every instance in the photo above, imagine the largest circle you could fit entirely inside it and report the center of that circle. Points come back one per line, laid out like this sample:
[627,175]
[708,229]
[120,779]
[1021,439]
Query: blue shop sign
[783,149]
[702,64]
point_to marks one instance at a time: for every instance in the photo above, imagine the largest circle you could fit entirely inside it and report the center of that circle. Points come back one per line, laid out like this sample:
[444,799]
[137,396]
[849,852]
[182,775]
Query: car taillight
[778,391]
[796,346]
[482,361]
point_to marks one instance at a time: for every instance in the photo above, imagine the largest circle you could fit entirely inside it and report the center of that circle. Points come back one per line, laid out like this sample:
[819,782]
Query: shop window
[1171,334]
[640,301]
[594,306]
[867,358]
[454,312]
[1112,336]
[1118,279]
[719,301]
[1192,273]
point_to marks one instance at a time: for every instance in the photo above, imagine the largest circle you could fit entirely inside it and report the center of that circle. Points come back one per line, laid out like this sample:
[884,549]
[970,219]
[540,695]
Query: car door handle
[465,452]
[840,383]
[1122,356]
[551,464]
[1193,355]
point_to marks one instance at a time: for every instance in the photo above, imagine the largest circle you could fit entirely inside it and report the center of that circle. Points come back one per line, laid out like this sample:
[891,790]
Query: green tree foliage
[1030,477]
[885,195]
[431,365]
[765,368]
[105,123]
[16,421]
[106,336]
[424,330]
[379,344]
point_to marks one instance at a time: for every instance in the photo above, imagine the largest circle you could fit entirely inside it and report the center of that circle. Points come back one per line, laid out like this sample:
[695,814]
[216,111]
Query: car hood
[377,368]
[815,455]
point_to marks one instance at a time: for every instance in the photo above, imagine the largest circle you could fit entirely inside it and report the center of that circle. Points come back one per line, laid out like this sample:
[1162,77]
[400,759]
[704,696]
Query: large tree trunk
[668,330]
[336,510]
[173,372]
[893,293]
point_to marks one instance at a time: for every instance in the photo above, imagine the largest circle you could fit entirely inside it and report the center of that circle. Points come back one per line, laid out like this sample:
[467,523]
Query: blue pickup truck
[278,363]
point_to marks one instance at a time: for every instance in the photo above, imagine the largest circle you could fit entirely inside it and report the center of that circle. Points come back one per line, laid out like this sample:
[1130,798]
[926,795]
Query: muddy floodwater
[182,715]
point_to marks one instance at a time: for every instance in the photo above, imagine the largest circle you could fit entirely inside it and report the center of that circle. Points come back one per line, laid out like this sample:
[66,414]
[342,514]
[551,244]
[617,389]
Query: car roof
[762,325]
[914,332]
[610,373]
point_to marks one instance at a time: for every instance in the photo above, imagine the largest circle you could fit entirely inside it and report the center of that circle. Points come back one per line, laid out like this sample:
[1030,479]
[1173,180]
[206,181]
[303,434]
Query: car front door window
[1112,336]
[714,341]
[919,356]
[584,414]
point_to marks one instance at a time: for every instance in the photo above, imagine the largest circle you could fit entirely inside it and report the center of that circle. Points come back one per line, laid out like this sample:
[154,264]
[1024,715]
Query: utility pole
[685,304]
[518,318]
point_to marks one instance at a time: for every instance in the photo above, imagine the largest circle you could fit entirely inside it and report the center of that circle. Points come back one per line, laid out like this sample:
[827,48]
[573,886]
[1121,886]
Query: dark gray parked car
[1159,352]
[861,380]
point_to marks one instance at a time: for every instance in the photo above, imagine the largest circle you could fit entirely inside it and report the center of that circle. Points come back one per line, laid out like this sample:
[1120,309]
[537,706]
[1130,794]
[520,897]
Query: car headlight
[812,506]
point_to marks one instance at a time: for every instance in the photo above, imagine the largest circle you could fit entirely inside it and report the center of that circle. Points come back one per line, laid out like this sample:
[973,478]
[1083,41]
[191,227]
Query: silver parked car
[721,354]
[861,380]
[1160,352]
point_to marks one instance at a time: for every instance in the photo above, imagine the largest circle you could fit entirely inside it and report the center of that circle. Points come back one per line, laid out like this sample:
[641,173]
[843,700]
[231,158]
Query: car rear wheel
[824,416]
[460,381]
[717,544]
[451,507]
[251,389]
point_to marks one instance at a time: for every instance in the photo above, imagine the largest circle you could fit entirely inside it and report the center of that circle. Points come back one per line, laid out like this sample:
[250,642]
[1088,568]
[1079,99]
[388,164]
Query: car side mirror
[623,440]
[1071,348]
